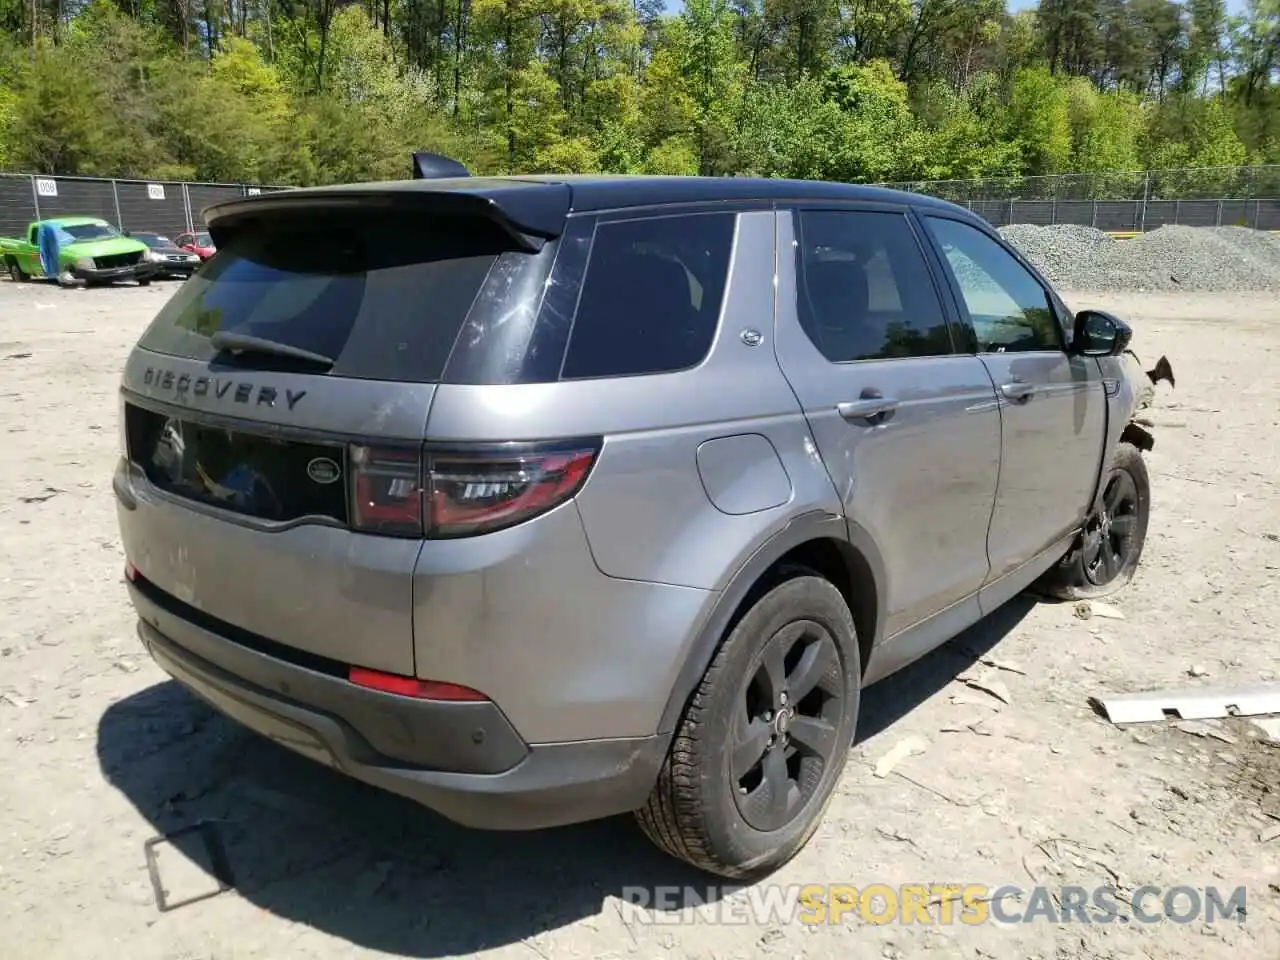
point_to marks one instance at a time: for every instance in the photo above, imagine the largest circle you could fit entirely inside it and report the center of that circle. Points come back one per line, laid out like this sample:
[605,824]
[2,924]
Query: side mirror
[1100,334]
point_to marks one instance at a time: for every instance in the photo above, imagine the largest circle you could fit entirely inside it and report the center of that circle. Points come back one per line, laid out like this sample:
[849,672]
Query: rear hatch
[273,416]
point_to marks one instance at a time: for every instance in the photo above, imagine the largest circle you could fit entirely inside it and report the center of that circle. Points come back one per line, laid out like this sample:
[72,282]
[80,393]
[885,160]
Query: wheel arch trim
[810,527]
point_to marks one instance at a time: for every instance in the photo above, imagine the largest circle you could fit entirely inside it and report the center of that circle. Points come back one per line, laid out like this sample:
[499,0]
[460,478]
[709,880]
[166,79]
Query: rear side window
[865,291]
[651,297]
[384,299]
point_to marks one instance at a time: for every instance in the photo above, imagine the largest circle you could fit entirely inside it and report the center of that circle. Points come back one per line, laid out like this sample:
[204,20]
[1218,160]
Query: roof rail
[432,166]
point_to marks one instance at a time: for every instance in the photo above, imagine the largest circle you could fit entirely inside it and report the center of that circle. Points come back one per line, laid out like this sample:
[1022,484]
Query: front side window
[651,295]
[1009,309]
[865,292]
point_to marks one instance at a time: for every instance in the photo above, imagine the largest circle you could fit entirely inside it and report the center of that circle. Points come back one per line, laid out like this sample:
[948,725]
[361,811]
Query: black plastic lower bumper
[179,270]
[481,774]
[143,270]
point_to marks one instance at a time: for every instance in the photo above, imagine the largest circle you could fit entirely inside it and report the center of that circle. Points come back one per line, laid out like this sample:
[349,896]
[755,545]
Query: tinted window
[384,299]
[1009,309]
[651,297]
[865,291]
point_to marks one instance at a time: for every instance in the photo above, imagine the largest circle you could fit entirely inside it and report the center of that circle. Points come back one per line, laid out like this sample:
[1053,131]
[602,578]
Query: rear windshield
[384,299]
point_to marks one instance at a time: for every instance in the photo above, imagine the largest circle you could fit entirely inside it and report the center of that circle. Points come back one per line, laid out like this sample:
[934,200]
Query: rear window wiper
[240,343]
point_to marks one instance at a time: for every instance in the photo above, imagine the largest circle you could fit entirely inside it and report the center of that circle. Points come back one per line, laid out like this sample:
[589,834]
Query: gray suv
[542,499]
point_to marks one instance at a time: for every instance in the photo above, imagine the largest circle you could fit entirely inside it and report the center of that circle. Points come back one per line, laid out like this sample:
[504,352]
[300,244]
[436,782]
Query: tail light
[471,495]
[386,494]
[443,495]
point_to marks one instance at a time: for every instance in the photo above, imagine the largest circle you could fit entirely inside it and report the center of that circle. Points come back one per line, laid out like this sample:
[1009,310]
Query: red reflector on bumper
[130,571]
[412,686]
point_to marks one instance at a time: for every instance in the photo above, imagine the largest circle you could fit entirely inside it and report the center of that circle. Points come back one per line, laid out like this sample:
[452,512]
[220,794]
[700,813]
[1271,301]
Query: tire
[15,272]
[718,819]
[145,283]
[1084,574]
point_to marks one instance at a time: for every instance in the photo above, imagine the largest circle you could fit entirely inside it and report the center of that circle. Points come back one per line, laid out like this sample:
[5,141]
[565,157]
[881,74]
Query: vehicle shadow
[886,702]
[314,847]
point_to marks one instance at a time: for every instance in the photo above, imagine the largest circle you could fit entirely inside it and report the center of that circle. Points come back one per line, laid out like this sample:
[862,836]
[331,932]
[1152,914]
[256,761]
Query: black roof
[538,204]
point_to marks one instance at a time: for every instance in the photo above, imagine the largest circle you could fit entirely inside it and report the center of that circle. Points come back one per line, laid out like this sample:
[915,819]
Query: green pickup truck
[88,249]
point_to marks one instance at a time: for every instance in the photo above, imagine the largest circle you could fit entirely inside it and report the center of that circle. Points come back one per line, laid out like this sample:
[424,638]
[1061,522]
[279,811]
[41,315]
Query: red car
[201,244]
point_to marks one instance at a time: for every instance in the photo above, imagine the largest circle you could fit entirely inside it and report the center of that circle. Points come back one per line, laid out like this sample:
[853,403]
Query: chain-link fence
[165,207]
[1134,201]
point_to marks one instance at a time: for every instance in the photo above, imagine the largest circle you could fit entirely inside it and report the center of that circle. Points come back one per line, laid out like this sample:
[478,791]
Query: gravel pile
[1170,258]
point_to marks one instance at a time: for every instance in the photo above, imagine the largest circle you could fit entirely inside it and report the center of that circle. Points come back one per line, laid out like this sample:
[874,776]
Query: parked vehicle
[170,260]
[199,243]
[88,249]
[611,494]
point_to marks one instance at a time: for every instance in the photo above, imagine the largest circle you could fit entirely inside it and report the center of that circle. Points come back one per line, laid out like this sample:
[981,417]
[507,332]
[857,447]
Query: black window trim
[1051,299]
[963,340]
[594,219]
[646,211]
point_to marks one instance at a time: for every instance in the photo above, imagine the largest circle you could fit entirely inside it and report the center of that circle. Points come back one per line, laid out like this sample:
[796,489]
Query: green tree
[712,75]
[880,139]
[317,91]
[57,123]
[1106,128]
[1039,122]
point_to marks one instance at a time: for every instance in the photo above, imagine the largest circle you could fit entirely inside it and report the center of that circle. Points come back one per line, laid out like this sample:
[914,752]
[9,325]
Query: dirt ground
[99,753]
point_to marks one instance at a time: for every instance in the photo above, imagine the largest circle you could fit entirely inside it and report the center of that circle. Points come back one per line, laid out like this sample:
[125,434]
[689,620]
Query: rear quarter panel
[646,506]
[592,620]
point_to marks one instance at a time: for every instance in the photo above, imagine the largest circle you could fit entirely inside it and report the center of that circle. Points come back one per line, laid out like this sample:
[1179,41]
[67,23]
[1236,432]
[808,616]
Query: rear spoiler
[529,212]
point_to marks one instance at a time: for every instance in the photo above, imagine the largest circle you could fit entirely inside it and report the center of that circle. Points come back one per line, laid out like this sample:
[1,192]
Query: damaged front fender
[1138,436]
[1142,384]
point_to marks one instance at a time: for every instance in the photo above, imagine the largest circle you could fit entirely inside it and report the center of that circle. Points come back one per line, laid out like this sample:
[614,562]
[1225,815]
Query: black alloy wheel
[1111,535]
[786,726]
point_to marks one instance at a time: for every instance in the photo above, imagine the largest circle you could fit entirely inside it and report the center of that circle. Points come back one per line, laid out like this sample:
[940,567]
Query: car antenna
[433,166]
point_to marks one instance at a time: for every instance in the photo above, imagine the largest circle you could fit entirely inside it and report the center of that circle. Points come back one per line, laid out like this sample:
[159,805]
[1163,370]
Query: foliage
[314,91]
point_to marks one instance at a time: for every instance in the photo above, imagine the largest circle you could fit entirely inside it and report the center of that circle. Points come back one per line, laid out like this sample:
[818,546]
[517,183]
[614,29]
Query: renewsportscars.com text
[931,903]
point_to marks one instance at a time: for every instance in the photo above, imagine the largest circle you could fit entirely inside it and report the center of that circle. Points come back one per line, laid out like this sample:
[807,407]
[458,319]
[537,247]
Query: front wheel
[764,739]
[145,283]
[1106,555]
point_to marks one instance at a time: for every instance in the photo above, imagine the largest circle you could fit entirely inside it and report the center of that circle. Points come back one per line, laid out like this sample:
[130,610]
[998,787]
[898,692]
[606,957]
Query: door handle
[1018,390]
[871,408]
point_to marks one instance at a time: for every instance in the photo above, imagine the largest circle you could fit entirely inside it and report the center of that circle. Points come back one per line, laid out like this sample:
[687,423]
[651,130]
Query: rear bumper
[462,760]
